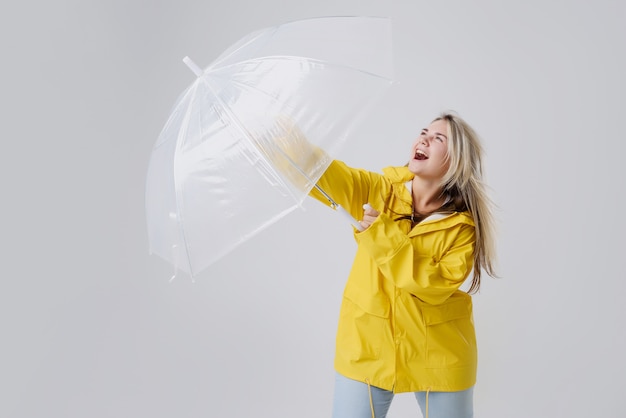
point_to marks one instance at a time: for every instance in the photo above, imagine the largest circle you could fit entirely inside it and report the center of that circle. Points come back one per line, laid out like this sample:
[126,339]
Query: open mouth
[420,155]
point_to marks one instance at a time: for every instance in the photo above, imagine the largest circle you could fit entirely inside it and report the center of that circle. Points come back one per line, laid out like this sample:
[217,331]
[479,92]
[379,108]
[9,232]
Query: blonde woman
[405,326]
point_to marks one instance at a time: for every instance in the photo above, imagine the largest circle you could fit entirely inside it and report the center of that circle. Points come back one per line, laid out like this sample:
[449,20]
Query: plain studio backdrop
[91,325]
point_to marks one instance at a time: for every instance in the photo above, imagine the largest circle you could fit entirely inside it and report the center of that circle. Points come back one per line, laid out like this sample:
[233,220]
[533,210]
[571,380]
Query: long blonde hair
[464,180]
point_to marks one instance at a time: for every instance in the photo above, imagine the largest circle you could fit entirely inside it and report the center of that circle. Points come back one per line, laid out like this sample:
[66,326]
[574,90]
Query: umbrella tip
[193,66]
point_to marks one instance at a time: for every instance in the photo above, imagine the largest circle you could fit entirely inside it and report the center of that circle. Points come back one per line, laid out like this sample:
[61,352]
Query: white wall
[90,325]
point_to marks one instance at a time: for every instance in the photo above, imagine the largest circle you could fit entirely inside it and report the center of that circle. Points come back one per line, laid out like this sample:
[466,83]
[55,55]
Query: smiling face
[429,153]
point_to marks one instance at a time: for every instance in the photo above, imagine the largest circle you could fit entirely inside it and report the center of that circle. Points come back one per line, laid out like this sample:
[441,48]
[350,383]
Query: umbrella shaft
[330,199]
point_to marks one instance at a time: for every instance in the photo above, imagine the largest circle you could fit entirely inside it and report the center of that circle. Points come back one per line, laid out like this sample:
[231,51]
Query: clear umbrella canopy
[243,144]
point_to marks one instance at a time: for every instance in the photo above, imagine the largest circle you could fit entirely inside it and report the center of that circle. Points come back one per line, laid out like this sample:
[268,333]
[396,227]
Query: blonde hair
[464,180]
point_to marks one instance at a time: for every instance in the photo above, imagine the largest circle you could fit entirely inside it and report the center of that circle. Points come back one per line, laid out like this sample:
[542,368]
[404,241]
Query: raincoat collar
[398,176]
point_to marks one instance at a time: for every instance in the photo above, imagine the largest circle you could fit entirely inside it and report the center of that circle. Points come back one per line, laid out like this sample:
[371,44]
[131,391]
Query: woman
[404,324]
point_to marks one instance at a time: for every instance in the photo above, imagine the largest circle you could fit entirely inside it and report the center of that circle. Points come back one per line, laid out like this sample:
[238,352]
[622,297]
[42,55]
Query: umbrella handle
[349,218]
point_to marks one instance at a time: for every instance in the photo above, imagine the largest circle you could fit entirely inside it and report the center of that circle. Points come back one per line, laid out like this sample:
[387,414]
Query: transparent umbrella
[243,144]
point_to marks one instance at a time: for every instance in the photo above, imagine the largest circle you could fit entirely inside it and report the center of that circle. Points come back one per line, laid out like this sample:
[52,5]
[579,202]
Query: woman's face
[429,152]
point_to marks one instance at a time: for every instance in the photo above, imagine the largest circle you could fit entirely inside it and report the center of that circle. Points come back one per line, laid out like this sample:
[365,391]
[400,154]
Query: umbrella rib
[177,188]
[213,69]
[254,37]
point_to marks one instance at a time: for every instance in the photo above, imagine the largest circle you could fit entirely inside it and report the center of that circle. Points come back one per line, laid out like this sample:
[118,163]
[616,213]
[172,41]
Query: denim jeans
[352,400]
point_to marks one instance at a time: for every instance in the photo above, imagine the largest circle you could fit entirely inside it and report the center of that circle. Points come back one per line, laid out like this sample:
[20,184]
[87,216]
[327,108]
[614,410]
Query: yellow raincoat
[404,325]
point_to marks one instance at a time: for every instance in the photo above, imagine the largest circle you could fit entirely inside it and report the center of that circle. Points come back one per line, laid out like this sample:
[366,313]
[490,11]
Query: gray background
[90,324]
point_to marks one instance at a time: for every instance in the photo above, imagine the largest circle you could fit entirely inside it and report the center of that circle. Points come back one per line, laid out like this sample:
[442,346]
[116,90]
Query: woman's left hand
[369,216]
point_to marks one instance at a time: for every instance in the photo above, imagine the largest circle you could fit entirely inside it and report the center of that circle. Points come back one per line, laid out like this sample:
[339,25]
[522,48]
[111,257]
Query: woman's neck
[427,195]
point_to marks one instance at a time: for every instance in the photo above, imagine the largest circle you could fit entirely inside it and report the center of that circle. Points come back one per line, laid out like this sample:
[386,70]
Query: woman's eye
[440,139]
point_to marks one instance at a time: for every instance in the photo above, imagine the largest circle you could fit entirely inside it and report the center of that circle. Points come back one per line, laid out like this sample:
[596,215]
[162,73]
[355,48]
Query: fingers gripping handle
[349,218]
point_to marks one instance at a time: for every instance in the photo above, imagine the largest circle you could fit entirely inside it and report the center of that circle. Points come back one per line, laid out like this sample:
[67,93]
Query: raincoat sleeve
[349,187]
[429,274]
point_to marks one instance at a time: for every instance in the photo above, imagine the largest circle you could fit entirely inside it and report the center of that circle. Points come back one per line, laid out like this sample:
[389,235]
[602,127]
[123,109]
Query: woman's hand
[369,216]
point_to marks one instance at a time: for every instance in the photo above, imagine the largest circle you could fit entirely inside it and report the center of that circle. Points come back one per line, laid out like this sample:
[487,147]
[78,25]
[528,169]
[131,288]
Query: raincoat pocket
[450,336]
[368,295]
[436,314]
[360,334]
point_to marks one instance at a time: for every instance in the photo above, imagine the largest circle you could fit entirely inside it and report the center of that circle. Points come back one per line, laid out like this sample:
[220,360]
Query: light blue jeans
[352,400]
